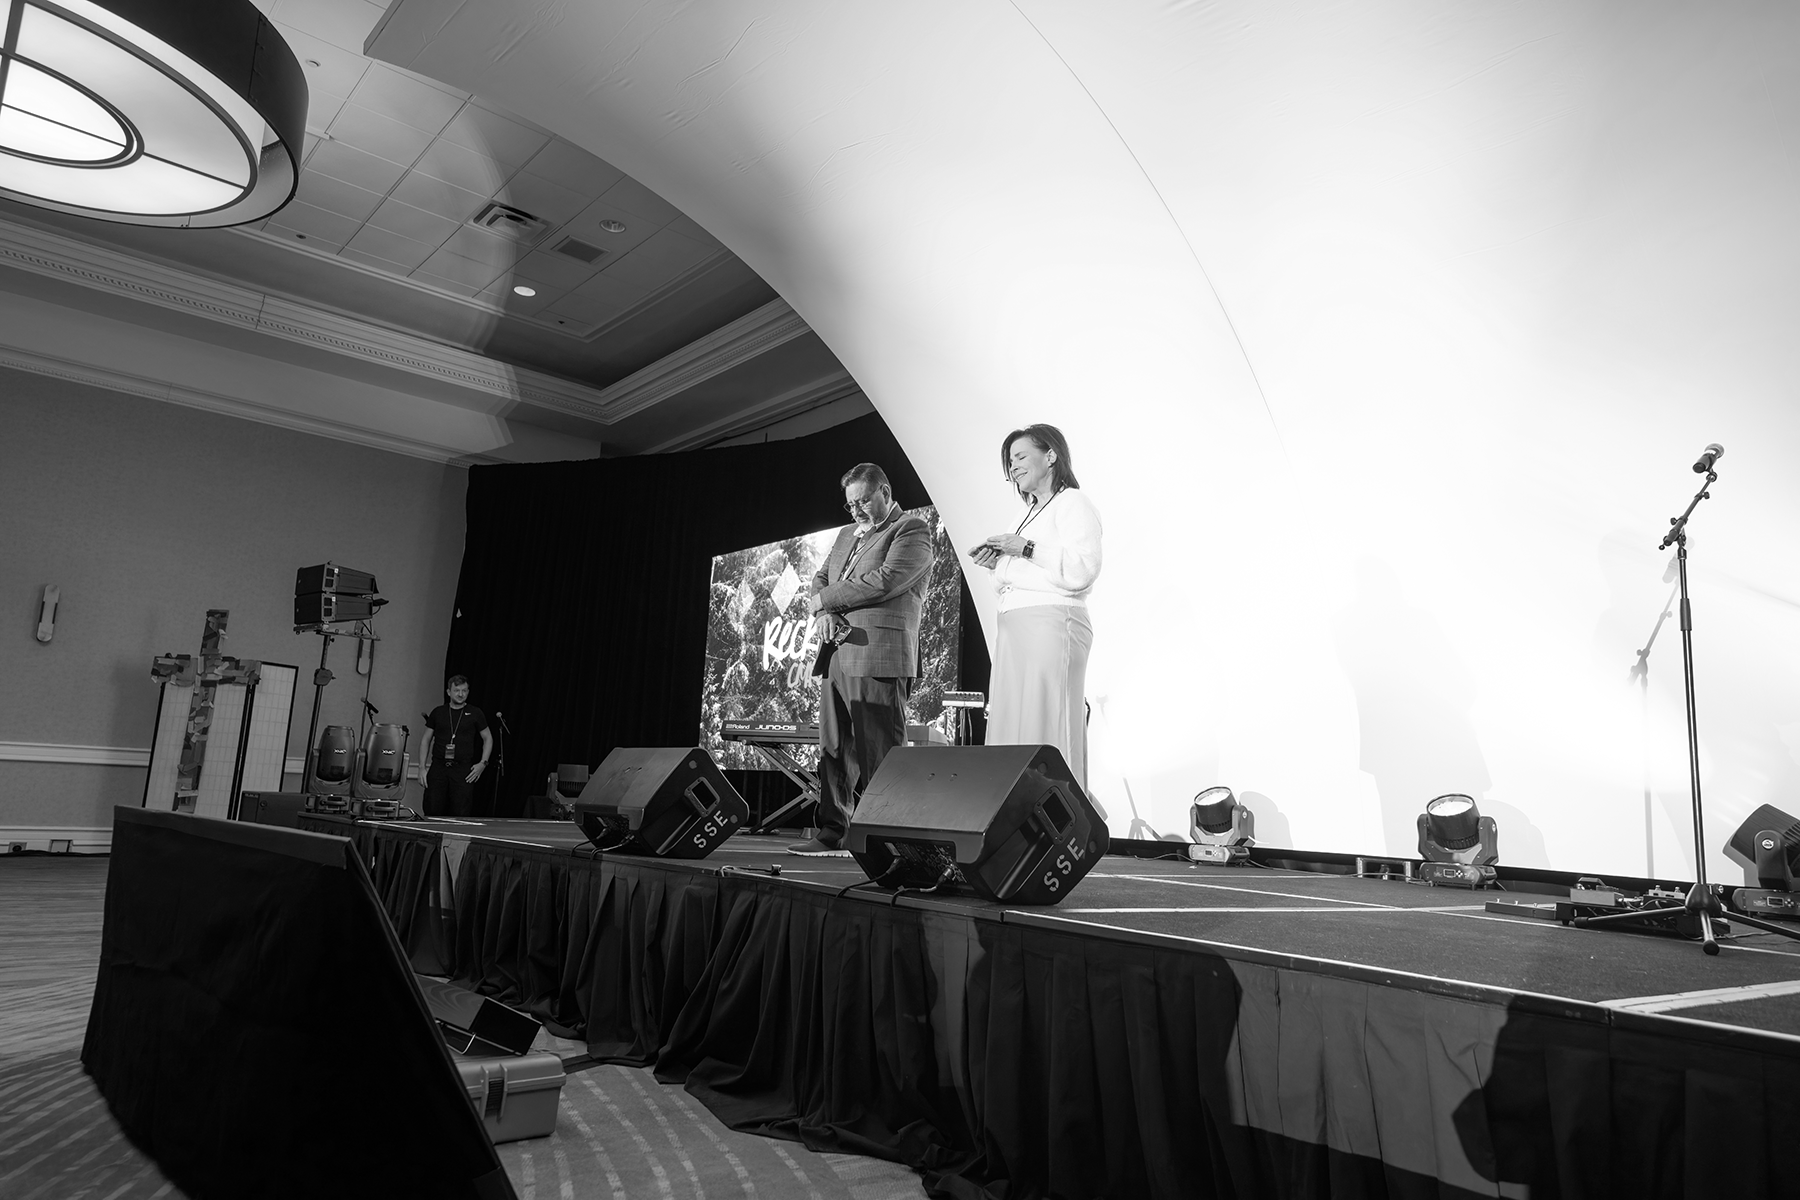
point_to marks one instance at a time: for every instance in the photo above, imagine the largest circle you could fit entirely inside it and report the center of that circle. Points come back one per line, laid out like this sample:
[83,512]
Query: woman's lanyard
[1036,511]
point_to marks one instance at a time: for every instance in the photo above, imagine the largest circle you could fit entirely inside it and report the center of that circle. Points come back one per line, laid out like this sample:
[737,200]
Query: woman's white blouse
[1065,557]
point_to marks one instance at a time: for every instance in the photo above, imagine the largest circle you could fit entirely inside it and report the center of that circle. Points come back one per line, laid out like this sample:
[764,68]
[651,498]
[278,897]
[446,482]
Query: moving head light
[1767,843]
[1458,844]
[1223,830]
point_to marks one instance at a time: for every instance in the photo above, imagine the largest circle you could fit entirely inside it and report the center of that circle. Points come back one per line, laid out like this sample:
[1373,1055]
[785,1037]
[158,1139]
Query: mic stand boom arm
[1678,525]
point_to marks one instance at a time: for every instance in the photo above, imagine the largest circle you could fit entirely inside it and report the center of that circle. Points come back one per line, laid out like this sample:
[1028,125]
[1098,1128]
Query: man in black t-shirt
[454,752]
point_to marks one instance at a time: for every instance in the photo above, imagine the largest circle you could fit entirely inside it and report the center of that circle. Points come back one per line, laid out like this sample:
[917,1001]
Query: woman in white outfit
[1043,572]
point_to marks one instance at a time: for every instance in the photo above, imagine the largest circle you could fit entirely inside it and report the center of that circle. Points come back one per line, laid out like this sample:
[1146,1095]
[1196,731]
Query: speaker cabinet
[1008,823]
[272,808]
[327,608]
[670,802]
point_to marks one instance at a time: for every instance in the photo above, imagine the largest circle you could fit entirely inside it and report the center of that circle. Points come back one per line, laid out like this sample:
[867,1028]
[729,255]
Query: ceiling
[395,223]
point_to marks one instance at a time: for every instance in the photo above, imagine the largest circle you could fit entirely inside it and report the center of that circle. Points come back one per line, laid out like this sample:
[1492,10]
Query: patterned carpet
[619,1133]
[59,1142]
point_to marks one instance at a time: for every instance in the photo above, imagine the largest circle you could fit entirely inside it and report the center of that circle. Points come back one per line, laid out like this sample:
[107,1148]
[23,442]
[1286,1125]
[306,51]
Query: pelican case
[515,1096]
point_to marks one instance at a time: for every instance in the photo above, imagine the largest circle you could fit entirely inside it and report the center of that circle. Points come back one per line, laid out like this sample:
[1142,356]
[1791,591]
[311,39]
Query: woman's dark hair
[1044,437]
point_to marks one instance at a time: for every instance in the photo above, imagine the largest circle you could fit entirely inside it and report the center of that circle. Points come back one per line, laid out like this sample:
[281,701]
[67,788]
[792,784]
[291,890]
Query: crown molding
[152,388]
[791,403]
[104,269]
[728,346]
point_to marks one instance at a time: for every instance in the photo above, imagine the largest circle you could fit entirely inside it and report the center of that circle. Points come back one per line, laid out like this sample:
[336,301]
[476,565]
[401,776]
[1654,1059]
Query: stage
[1168,1030]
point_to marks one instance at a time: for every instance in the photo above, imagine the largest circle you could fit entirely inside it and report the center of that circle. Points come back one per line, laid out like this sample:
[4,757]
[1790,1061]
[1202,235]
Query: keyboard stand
[805,777]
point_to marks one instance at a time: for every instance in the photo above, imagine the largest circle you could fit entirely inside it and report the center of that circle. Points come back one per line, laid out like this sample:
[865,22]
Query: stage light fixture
[381,770]
[1458,844]
[568,781]
[1223,830]
[331,778]
[168,112]
[1767,844]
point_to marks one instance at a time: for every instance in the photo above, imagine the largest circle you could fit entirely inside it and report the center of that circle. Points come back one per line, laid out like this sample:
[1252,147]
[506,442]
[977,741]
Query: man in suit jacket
[867,597]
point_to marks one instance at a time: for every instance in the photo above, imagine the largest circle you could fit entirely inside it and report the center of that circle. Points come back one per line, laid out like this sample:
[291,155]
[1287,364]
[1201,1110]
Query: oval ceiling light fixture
[522,290]
[149,112]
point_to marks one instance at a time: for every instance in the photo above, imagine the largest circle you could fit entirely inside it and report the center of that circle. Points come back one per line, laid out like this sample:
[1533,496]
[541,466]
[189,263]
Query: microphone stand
[1702,905]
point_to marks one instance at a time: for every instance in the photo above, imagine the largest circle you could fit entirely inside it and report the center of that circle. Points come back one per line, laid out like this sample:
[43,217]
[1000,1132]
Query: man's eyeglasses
[852,506]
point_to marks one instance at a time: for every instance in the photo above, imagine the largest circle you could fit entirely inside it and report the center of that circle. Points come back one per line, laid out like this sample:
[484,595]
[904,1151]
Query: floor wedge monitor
[669,802]
[256,1030]
[1008,823]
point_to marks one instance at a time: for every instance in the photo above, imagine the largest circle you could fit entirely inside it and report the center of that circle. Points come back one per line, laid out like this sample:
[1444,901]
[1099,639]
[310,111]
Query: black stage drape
[581,608]
[408,871]
[1012,1056]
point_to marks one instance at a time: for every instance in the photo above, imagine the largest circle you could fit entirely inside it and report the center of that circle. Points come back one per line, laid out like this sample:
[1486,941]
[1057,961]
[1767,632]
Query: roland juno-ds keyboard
[768,731]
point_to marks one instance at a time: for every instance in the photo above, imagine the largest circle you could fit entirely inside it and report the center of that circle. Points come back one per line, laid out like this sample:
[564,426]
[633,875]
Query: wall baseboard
[82,839]
[91,756]
[119,756]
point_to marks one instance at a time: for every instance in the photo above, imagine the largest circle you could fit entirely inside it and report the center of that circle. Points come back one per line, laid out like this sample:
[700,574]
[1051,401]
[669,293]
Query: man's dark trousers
[861,718]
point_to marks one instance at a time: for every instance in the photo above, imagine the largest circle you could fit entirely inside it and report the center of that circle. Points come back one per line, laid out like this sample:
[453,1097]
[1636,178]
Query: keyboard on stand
[776,741]
[776,732]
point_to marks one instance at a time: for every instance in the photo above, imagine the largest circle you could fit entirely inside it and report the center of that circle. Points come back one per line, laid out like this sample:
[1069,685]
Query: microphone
[373,711]
[501,717]
[1708,457]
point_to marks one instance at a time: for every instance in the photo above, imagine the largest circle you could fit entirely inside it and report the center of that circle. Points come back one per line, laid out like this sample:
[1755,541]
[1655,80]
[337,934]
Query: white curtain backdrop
[1384,335]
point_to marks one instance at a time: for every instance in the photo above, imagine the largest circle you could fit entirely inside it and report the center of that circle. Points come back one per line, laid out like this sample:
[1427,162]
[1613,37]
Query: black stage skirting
[1014,1053]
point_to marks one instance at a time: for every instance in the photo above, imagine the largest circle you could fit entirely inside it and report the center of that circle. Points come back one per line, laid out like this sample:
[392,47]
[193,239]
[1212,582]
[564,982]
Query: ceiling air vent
[575,248]
[510,222]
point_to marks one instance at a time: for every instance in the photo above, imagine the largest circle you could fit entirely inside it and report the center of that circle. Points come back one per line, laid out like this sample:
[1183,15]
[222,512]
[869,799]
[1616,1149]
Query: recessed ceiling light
[613,226]
[522,290]
[312,62]
[149,114]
